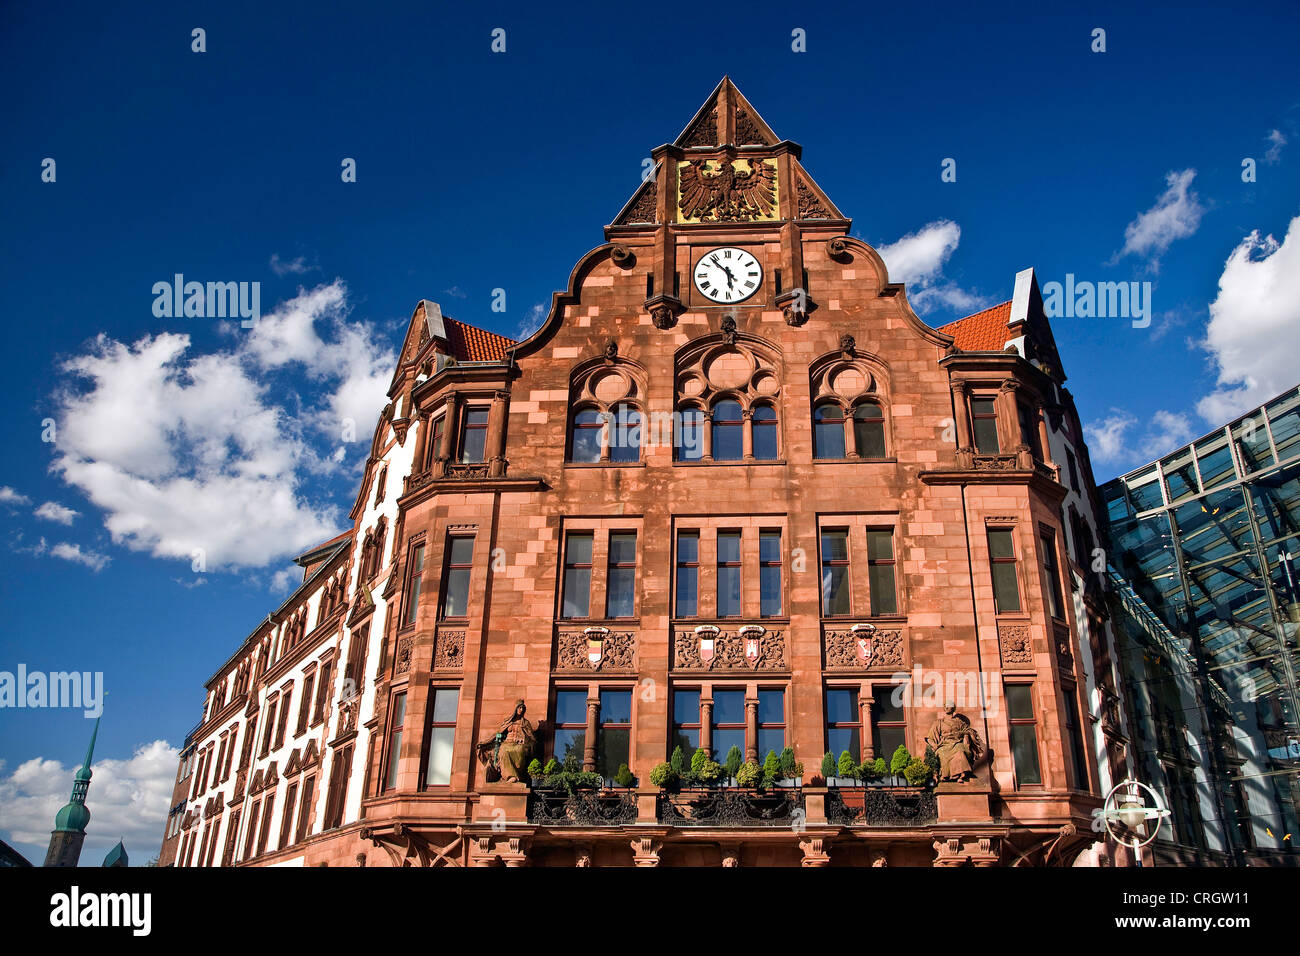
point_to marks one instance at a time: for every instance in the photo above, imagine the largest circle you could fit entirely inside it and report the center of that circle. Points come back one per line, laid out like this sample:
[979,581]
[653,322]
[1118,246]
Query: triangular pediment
[726,119]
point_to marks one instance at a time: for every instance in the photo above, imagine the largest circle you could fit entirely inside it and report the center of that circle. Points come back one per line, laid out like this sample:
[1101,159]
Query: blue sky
[479,170]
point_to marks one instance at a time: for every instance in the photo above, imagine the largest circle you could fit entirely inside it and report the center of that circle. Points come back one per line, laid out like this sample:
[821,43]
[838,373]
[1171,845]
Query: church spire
[70,822]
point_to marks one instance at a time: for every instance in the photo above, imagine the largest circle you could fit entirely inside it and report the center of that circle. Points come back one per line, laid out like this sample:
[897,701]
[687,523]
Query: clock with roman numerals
[728,275]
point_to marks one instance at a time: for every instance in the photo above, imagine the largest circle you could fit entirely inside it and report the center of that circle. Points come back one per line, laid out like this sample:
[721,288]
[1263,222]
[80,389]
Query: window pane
[729,707]
[889,739]
[457,602]
[571,707]
[770,738]
[828,432]
[771,707]
[840,739]
[728,432]
[1005,589]
[1024,748]
[475,435]
[569,740]
[625,441]
[769,583]
[725,739]
[615,706]
[763,424]
[395,740]
[835,545]
[728,574]
[587,428]
[687,592]
[835,577]
[880,562]
[613,747]
[689,435]
[842,706]
[686,707]
[621,583]
[577,575]
[869,430]
[413,594]
[1020,704]
[438,772]
[444,705]
[985,425]
[887,708]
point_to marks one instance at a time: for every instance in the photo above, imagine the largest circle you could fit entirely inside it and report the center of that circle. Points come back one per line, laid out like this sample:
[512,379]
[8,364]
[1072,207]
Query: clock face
[728,275]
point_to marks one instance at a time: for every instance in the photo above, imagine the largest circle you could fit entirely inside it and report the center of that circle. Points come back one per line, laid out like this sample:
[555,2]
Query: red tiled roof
[325,544]
[471,344]
[982,332]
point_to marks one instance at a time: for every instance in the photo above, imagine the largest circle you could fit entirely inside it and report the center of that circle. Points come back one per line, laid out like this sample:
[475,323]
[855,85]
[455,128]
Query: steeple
[70,823]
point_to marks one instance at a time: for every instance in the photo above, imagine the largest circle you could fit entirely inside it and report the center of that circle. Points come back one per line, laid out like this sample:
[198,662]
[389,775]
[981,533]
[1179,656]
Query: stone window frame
[600,530]
[430,725]
[1034,722]
[876,391]
[584,380]
[691,366]
[408,612]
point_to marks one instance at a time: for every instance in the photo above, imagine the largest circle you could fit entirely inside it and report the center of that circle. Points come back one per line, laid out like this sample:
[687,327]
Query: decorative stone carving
[747,131]
[837,248]
[809,203]
[704,132]
[729,651]
[860,650]
[645,851]
[1016,647]
[622,256]
[645,209]
[611,350]
[581,651]
[996,462]
[402,659]
[463,472]
[957,745]
[508,751]
[815,852]
[848,345]
[449,650]
[727,194]
[956,851]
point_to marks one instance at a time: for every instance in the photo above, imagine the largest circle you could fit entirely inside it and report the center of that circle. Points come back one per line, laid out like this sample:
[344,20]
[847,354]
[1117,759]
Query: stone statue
[509,749]
[956,744]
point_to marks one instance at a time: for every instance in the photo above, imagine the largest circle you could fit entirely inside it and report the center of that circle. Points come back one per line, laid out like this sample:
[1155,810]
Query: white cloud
[286,579]
[455,292]
[10,497]
[284,267]
[1254,330]
[531,323]
[918,258]
[1176,215]
[128,800]
[1276,141]
[1117,439]
[53,511]
[72,552]
[190,452]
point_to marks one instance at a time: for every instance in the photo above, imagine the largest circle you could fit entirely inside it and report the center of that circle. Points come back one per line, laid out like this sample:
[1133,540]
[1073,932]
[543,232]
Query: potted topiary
[791,769]
[749,774]
[828,769]
[535,772]
[898,763]
[663,776]
[734,759]
[623,777]
[847,776]
[917,772]
[771,770]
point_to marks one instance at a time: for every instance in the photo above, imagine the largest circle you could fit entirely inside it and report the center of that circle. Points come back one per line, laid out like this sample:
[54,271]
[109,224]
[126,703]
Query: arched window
[584,443]
[828,431]
[688,435]
[625,440]
[728,431]
[869,430]
[763,423]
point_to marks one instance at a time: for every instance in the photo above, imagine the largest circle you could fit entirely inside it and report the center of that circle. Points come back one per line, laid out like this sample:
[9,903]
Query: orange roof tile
[982,332]
[471,344]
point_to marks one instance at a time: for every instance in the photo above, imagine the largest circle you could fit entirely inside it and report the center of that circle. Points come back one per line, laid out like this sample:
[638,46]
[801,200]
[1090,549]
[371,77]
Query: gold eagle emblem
[728,195]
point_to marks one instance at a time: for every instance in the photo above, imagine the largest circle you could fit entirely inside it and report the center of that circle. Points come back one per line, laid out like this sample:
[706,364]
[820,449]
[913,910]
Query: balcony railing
[881,806]
[585,808]
[725,807]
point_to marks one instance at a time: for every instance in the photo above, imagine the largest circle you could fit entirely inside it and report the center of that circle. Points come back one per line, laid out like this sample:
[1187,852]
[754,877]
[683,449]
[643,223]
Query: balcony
[728,807]
[583,808]
[881,806]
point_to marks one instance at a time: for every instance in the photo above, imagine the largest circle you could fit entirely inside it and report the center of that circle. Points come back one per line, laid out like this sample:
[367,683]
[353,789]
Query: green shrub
[867,771]
[846,768]
[623,777]
[788,763]
[535,768]
[698,760]
[734,759]
[749,774]
[771,769]
[932,760]
[917,772]
[662,775]
[900,759]
[552,767]
[710,771]
[677,761]
[879,767]
[828,766]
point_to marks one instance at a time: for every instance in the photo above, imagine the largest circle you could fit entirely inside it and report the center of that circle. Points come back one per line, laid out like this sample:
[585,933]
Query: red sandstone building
[732,493]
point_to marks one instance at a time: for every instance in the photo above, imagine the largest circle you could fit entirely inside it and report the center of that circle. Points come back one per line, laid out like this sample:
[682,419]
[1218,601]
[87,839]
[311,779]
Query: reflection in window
[728,722]
[577,574]
[828,431]
[442,734]
[686,722]
[620,592]
[763,424]
[455,595]
[843,722]
[473,438]
[869,430]
[880,571]
[625,442]
[570,724]
[688,573]
[584,446]
[728,574]
[614,738]
[769,573]
[835,571]
[728,431]
[771,722]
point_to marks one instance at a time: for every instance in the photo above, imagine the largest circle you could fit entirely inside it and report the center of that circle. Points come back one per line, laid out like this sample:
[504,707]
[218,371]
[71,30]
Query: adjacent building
[732,495]
[1202,554]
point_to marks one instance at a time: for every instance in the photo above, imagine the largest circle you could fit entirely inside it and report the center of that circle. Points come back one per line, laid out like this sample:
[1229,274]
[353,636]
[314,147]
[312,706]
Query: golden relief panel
[727,190]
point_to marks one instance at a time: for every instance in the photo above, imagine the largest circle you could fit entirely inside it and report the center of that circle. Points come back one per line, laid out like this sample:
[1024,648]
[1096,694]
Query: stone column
[866,701]
[706,439]
[747,434]
[593,716]
[497,433]
[965,441]
[751,726]
[442,454]
[706,720]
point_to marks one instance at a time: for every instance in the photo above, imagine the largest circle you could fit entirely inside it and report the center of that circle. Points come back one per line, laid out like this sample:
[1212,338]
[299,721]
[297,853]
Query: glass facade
[1203,551]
